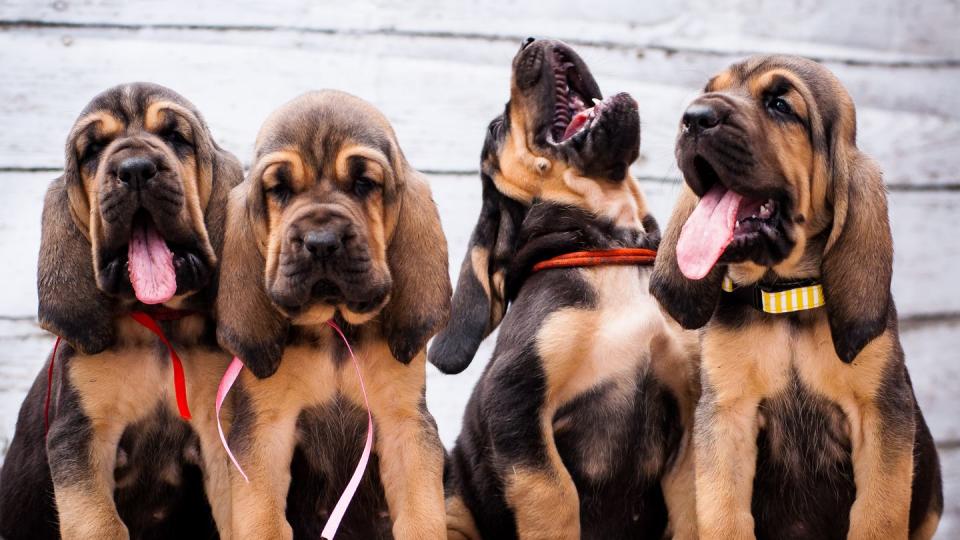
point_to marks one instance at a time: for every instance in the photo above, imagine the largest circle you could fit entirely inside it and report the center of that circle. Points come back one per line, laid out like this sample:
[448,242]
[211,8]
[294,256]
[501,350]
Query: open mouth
[150,262]
[722,220]
[571,113]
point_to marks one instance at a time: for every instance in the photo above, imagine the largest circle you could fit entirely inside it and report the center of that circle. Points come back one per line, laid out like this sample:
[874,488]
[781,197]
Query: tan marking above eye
[105,125]
[761,85]
[293,170]
[159,114]
[377,164]
[720,82]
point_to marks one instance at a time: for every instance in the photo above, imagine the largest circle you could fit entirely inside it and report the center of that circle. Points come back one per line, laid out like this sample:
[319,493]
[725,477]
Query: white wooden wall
[440,72]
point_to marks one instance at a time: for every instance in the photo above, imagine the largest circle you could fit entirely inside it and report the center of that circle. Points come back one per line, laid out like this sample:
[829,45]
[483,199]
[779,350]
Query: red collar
[599,257]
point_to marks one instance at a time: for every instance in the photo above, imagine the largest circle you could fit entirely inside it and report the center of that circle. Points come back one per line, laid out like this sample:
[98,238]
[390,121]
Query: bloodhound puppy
[333,224]
[780,249]
[135,224]
[579,424]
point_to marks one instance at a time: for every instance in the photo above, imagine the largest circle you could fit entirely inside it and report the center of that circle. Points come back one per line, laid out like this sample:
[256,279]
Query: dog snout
[701,117]
[136,171]
[322,243]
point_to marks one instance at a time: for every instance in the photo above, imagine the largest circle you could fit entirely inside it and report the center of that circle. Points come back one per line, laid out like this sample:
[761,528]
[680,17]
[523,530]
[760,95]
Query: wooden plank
[439,97]
[950,466]
[920,222]
[893,28]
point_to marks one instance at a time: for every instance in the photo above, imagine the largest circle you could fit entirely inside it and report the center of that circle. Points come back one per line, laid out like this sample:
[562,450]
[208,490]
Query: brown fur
[328,161]
[844,358]
[579,350]
[113,379]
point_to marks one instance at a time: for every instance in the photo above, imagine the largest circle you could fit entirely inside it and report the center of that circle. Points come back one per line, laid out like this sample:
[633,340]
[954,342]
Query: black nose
[321,243]
[526,42]
[700,117]
[136,171]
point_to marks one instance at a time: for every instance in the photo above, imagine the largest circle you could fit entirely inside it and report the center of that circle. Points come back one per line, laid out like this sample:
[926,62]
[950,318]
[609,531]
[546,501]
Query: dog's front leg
[537,485]
[725,454]
[883,469]
[263,438]
[216,464]
[408,447]
[82,452]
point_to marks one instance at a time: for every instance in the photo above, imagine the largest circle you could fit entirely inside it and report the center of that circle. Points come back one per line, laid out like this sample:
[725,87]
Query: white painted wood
[440,72]
[891,29]
[439,101]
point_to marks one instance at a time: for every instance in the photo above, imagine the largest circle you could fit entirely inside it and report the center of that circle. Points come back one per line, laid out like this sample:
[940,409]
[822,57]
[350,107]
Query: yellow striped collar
[794,297]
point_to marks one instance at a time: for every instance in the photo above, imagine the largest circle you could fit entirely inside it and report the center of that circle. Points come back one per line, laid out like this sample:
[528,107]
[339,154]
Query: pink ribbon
[336,516]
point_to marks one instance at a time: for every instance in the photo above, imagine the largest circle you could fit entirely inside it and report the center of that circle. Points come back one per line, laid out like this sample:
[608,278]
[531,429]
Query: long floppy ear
[417,255]
[248,325]
[479,302]
[71,306]
[690,302]
[857,263]
[226,173]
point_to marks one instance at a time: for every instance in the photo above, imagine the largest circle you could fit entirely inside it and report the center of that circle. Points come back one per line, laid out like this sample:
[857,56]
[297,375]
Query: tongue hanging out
[577,122]
[150,264]
[707,232]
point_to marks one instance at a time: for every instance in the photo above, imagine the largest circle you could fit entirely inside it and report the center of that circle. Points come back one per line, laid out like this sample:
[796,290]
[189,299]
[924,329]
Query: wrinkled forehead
[812,80]
[319,127]
[134,105]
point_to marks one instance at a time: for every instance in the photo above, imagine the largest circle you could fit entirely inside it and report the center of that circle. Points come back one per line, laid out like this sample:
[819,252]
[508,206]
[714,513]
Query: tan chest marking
[123,385]
[583,348]
[757,362]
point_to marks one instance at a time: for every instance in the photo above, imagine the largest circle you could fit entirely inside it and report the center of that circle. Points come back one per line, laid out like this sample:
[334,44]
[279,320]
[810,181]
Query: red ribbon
[179,381]
[599,257]
[150,323]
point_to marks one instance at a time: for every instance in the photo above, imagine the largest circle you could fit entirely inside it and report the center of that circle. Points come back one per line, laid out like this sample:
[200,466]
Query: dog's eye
[363,186]
[781,106]
[92,150]
[280,192]
[176,138]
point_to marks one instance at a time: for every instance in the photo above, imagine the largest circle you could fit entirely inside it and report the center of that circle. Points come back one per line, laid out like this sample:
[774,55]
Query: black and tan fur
[579,424]
[118,461]
[333,223]
[808,426]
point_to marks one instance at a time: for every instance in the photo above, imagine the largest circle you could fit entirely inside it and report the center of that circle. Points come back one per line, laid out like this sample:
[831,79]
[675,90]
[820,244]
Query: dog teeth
[597,101]
[766,209]
[736,225]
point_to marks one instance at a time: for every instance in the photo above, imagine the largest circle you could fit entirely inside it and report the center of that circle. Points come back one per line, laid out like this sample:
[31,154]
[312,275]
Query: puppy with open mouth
[131,236]
[780,250]
[580,424]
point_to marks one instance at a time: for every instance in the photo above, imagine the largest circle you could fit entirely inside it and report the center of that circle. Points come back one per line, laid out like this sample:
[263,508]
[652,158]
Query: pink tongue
[578,121]
[707,232]
[151,265]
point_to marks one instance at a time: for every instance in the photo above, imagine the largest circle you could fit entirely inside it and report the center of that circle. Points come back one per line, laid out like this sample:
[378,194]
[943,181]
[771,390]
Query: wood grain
[439,92]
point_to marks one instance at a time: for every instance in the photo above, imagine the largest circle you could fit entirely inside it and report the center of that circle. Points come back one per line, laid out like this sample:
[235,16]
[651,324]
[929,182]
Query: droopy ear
[417,255]
[248,325]
[857,263]
[479,302]
[690,302]
[71,306]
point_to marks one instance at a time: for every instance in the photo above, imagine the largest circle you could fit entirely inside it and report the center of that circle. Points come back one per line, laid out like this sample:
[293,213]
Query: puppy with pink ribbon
[334,278]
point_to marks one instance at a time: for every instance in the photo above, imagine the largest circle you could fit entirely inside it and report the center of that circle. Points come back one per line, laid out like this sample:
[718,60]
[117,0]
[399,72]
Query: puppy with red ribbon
[117,437]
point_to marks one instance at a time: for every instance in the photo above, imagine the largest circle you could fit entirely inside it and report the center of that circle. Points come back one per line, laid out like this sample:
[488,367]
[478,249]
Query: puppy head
[332,219]
[557,129]
[136,216]
[769,156]
[557,142]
